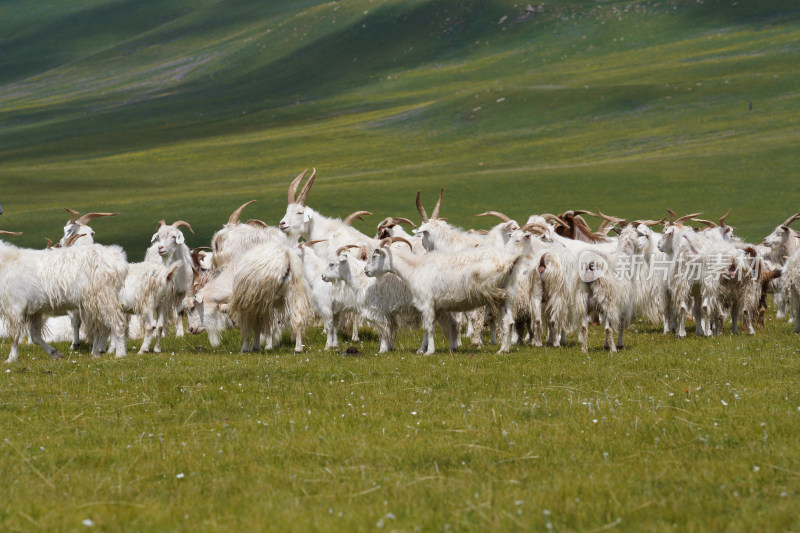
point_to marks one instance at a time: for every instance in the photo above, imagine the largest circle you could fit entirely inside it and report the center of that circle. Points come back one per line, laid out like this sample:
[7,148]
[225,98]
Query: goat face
[379,263]
[336,269]
[778,237]
[194,313]
[665,244]
[167,240]
[296,220]
[424,232]
[73,229]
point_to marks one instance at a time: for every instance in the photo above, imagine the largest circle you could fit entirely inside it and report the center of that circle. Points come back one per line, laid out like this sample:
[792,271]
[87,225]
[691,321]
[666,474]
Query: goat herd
[553,273]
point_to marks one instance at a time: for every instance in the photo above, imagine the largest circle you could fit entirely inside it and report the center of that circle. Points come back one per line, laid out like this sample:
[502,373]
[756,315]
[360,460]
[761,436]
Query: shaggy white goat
[34,283]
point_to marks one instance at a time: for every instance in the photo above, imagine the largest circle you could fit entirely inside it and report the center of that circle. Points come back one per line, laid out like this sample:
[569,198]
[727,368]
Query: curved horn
[346,247]
[534,228]
[234,218]
[49,243]
[791,219]
[404,220]
[353,216]
[497,214]
[307,187]
[421,209]
[257,223]
[723,217]
[708,223]
[611,219]
[672,216]
[649,222]
[15,234]
[684,218]
[401,239]
[178,223]
[435,213]
[386,223]
[72,239]
[88,217]
[552,218]
[161,223]
[293,186]
[201,248]
[73,215]
[312,243]
[479,231]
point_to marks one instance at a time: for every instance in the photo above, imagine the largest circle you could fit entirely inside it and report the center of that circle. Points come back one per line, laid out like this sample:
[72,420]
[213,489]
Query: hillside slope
[158,109]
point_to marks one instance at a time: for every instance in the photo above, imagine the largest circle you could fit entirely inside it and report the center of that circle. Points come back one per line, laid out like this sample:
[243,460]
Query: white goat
[442,281]
[236,238]
[381,300]
[147,293]
[268,286]
[34,283]
[169,245]
[302,221]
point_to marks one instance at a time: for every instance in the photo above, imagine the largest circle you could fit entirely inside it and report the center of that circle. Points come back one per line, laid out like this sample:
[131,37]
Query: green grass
[200,439]
[168,110]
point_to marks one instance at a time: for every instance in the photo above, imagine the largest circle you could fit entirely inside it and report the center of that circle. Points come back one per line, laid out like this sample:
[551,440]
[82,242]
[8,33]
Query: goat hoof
[55,355]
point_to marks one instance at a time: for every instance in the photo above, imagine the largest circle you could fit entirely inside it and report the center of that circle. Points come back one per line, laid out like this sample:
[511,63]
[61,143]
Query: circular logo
[591,266]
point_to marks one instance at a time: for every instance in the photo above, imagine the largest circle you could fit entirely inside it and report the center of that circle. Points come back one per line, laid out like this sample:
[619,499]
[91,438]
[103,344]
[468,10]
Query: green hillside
[175,110]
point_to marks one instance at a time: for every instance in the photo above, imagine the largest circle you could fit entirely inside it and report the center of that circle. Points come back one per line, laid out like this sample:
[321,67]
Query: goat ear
[363,254]
[307,215]
[542,265]
[154,237]
[198,297]
[180,239]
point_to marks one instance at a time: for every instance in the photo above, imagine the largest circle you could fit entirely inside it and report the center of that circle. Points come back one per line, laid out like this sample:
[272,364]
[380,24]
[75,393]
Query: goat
[447,281]
[34,283]
[169,245]
[146,293]
[268,285]
[236,238]
[380,299]
[302,221]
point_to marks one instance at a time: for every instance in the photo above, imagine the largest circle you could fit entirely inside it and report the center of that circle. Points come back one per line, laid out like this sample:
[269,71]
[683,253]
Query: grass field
[169,110]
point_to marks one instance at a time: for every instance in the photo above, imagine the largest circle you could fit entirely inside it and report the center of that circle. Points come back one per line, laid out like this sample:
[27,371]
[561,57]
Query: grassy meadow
[185,111]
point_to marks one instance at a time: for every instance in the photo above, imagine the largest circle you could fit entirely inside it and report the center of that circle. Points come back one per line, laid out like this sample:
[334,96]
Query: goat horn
[421,209]
[386,223]
[401,239]
[534,228]
[312,243]
[650,222]
[161,222]
[3,232]
[684,218]
[405,221]
[346,247]
[306,188]
[234,218]
[723,217]
[497,214]
[672,216]
[479,231]
[72,239]
[553,218]
[88,217]
[201,248]
[294,184]
[708,223]
[435,214]
[178,223]
[49,243]
[791,219]
[610,218]
[257,223]
[73,215]
[353,216]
